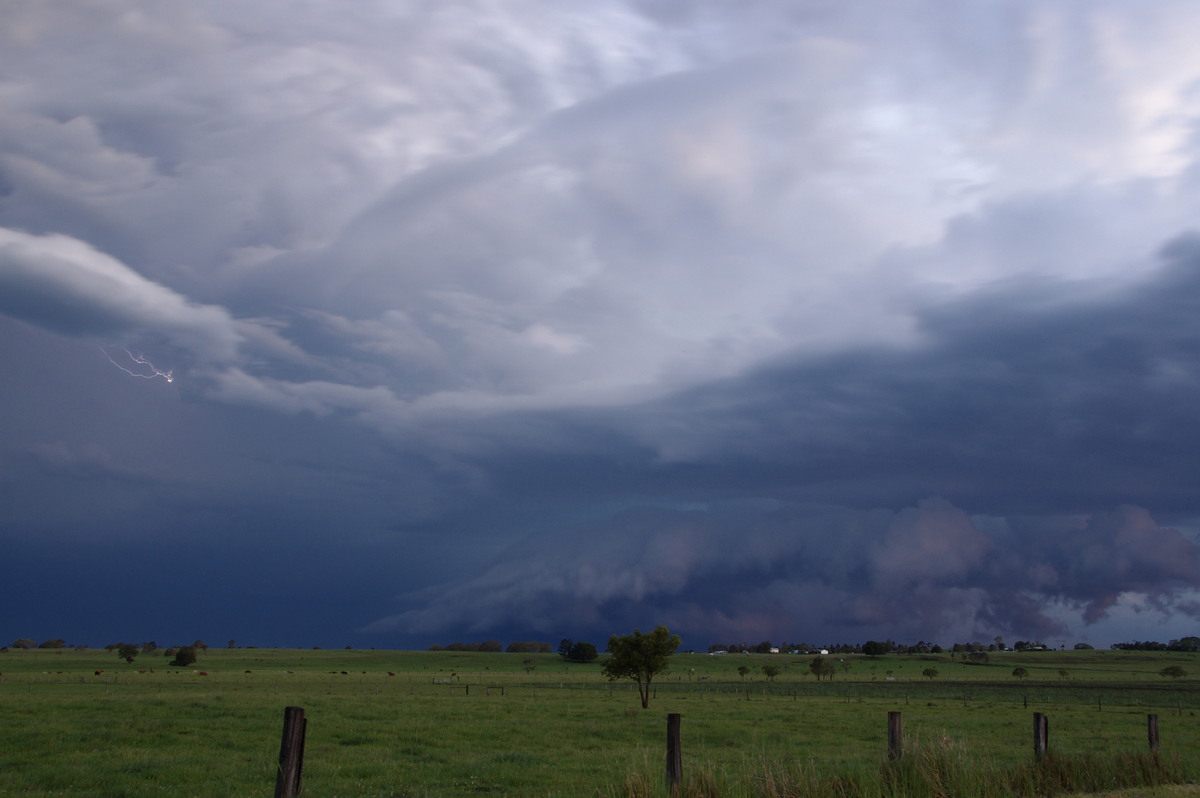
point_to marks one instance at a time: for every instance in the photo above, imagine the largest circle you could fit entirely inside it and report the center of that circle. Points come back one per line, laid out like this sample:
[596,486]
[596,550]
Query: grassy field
[389,723]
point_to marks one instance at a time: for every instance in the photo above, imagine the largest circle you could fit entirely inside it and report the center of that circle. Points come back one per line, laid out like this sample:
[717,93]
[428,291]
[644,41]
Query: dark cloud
[792,320]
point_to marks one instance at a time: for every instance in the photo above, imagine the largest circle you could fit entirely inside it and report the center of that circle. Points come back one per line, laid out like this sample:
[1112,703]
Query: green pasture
[394,723]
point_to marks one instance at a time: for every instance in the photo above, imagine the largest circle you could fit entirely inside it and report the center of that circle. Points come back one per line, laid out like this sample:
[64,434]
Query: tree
[582,651]
[743,670]
[930,673]
[564,647]
[186,655]
[127,651]
[770,671]
[822,667]
[640,657]
[1020,673]
[873,648]
[1174,671]
[23,642]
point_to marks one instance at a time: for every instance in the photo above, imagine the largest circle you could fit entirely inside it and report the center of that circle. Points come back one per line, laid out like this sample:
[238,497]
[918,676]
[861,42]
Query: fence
[291,749]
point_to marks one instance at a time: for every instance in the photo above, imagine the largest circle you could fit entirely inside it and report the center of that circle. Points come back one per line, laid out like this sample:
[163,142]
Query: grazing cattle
[203,673]
[391,673]
[99,672]
[249,671]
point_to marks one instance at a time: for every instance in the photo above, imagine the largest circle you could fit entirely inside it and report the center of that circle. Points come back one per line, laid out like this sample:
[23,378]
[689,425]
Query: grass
[450,723]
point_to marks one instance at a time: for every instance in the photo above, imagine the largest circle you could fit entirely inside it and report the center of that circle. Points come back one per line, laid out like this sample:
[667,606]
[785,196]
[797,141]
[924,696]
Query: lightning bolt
[140,360]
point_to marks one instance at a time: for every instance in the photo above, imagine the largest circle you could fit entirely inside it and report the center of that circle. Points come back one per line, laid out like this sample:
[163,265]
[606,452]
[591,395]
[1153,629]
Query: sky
[401,323]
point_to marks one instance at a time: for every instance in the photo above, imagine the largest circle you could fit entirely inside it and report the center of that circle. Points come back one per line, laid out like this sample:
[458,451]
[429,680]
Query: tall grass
[930,772]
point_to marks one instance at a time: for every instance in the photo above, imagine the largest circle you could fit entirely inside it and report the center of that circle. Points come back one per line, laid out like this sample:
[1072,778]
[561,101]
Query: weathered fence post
[895,736]
[1152,732]
[1041,734]
[674,753]
[291,753]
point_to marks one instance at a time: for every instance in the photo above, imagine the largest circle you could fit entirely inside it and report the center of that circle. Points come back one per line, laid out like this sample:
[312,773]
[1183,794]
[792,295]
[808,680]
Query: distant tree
[186,655]
[1174,671]
[564,647]
[200,645]
[149,647]
[1084,647]
[527,647]
[764,647]
[1063,673]
[231,644]
[743,671]
[582,651]
[977,657]
[930,673]
[23,642]
[822,668]
[1185,644]
[640,657]
[491,645]
[56,642]
[936,649]
[770,671]
[127,651]
[1020,673]
[528,665]
[873,648]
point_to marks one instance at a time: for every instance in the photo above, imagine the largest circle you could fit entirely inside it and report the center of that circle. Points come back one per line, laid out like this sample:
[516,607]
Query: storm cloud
[796,321]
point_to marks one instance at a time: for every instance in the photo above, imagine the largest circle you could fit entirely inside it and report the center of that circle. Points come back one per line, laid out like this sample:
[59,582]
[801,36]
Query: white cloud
[65,285]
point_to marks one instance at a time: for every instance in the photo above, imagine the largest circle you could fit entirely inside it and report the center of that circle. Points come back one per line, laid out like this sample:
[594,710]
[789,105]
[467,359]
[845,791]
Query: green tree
[873,648]
[23,642]
[127,651]
[1174,671]
[582,651]
[1020,673]
[186,655]
[930,673]
[822,668]
[743,671]
[770,671]
[640,657]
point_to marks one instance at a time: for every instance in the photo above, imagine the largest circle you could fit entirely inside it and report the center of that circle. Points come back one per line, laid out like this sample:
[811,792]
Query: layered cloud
[603,311]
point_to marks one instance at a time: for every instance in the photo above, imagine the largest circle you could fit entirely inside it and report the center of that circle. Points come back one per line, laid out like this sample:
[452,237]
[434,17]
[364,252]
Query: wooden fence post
[895,736]
[674,753]
[1152,732]
[291,753]
[1041,734]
